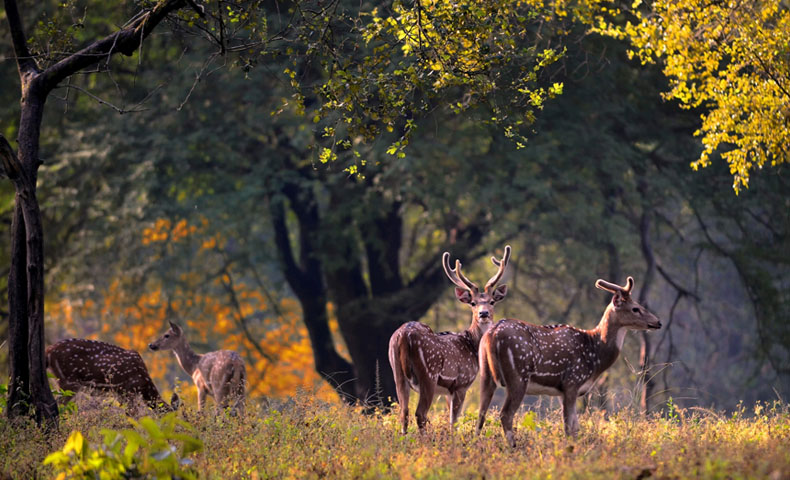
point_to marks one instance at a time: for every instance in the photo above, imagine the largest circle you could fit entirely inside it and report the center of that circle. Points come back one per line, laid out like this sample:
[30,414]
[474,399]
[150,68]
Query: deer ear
[619,300]
[500,292]
[175,328]
[463,295]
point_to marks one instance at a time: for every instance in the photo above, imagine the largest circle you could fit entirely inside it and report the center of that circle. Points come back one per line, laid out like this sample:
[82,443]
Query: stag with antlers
[444,363]
[221,374]
[557,360]
[80,364]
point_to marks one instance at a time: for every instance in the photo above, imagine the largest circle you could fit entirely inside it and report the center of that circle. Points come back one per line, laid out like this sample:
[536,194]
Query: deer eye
[635,310]
[167,335]
[472,303]
[491,302]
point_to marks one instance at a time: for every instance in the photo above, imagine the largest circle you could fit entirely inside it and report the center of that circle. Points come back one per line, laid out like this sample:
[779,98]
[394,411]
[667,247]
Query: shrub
[145,451]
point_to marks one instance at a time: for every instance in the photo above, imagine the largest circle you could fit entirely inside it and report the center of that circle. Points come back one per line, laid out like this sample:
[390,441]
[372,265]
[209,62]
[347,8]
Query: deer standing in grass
[220,374]
[89,364]
[557,360]
[444,363]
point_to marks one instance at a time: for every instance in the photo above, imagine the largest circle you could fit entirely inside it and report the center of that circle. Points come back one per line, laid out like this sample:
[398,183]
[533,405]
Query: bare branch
[11,166]
[126,41]
[24,60]
[198,77]
[102,101]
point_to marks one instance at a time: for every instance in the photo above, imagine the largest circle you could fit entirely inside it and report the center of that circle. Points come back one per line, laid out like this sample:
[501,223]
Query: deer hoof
[510,437]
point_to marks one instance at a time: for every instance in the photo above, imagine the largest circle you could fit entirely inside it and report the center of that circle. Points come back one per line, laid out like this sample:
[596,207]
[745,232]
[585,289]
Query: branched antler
[455,274]
[502,264]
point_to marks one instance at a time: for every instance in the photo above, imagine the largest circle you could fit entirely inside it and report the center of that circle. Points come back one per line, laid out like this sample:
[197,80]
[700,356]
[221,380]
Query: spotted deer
[221,374]
[557,360]
[444,363]
[80,364]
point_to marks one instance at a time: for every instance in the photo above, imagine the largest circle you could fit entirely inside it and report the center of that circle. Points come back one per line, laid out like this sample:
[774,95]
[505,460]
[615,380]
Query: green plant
[147,451]
[672,411]
[3,395]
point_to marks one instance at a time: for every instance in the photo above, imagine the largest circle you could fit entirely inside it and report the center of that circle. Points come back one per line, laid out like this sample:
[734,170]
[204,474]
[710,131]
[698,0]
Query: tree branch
[24,60]
[125,41]
[11,166]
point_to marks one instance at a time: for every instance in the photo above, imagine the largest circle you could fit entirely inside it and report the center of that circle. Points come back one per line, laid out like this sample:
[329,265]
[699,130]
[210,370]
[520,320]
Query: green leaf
[528,421]
[56,458]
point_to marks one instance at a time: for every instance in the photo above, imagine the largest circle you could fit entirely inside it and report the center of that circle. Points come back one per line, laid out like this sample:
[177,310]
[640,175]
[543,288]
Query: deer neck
[611,337]
[186,357]
[474,334]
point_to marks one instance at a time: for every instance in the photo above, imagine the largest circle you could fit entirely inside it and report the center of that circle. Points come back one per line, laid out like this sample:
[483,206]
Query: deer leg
[402,390]
[569,414]
[424,404]
[515,394]
[457,401]
[201,398]
[236,401]
[220,401]
[487,389]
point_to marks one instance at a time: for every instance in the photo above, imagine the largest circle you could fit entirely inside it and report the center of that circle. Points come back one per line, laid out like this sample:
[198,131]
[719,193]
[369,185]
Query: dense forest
[282,179]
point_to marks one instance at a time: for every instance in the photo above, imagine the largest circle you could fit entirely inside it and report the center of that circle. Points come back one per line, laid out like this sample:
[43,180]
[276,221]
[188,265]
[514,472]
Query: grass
[304,438]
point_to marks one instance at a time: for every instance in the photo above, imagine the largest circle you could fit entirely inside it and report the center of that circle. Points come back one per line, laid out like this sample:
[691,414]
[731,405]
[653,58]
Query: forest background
[226,189]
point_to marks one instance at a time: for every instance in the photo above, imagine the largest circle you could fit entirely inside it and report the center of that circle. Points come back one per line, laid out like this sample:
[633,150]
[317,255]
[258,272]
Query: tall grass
[305,438]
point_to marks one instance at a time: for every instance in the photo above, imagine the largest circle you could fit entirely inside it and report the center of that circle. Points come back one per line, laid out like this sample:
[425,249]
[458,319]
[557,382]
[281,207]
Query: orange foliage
[275,346]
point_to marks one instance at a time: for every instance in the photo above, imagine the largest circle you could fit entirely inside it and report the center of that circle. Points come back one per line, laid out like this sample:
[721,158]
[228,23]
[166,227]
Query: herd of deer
[557,360]
[89,364]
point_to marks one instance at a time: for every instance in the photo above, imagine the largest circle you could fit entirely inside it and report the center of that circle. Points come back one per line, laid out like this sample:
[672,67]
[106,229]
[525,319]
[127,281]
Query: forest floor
[303,438]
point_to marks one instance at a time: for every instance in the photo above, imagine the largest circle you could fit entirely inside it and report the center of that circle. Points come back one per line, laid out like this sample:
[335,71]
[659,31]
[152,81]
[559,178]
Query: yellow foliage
[731,59]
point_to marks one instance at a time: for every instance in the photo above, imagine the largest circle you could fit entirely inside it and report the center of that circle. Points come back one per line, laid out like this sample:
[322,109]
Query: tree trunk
[29,384]
[19,366]
[332,243]
[26,279]
[366,329]
[304,275]
[647,384]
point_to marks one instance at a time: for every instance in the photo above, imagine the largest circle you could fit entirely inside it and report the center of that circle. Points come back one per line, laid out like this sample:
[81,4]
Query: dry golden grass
[304,438]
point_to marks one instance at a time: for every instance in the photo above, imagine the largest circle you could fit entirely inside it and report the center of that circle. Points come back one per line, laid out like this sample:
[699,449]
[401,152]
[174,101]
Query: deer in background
[220,374]
[557,360]
[89,364]
[444,363]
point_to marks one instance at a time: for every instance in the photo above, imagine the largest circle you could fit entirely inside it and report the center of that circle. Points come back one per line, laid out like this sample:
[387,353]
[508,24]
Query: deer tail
[237,379]
[399,361]
[488,357]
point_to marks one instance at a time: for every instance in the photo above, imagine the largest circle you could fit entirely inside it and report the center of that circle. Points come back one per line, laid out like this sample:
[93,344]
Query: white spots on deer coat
[450,358]
[220,374]
[79,363]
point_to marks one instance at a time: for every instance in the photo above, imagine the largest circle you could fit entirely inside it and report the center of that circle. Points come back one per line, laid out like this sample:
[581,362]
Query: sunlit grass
[306,438]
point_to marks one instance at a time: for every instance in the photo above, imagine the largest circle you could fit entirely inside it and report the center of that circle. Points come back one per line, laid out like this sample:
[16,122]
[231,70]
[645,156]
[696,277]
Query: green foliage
[672,411]
[65,398]
[147,451]
[3,398]
[388,67]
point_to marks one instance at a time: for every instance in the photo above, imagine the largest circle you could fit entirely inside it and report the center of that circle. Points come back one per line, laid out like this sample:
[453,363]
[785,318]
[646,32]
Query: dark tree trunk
[305,278]
[333,242]
[647,384]
[29,384]
[19,384]
[366,330]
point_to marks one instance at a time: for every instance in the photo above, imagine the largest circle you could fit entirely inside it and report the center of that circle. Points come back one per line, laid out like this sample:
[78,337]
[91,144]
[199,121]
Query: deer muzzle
[654,325]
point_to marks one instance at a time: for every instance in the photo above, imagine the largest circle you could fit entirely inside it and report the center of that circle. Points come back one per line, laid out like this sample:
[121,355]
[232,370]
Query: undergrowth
[304,438]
